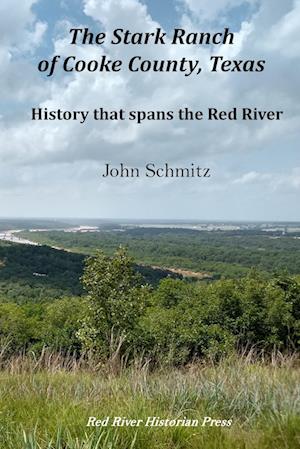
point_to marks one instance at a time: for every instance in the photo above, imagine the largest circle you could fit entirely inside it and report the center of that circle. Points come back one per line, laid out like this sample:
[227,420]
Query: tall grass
[45,403]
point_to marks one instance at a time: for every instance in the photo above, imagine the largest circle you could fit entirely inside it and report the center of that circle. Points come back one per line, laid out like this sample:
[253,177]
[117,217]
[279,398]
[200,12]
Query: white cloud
[284,36]
[21,32]
[208,10]
[20,29]
[272,181]
[247,178]
[113,13]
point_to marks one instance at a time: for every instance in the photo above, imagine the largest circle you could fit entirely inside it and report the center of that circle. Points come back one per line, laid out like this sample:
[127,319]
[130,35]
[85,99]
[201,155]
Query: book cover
[149,224]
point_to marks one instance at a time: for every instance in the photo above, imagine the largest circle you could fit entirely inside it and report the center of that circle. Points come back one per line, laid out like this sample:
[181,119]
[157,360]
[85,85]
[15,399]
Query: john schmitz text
[157,421]
[138,64]
[152,170]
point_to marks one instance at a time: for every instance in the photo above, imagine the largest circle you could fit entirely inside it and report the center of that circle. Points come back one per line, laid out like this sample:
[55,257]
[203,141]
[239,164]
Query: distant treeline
[23,223]
[224,254]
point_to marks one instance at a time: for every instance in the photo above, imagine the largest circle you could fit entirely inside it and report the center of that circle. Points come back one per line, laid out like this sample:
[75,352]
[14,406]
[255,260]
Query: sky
[51,169]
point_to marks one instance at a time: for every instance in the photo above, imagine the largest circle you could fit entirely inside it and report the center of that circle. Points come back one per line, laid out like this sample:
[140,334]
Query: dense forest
[221,254]
[175,321]
[39,273]
[30,273]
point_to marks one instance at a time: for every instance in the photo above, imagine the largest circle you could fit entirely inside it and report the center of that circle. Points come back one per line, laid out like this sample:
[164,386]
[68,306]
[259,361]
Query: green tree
[116,298]
[15,326]
[61,324]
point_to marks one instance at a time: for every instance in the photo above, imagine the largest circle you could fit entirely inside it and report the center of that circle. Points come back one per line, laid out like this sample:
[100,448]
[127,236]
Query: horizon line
[168,220]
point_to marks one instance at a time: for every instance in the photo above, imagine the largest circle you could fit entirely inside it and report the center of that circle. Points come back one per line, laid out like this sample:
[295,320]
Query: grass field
[46,404]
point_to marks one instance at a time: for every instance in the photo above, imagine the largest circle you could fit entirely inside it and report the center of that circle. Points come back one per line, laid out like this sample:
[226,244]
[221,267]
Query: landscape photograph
[149,224]
[194,323]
